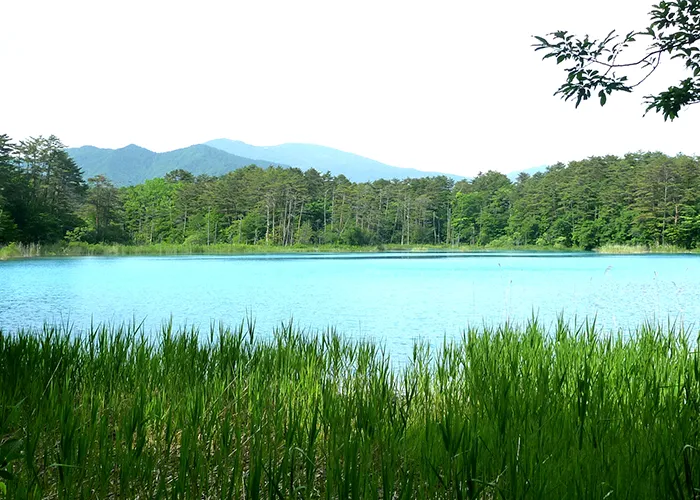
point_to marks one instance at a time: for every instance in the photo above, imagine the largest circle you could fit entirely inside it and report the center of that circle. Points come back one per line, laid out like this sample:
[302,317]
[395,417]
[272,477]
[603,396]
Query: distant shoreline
[22,251]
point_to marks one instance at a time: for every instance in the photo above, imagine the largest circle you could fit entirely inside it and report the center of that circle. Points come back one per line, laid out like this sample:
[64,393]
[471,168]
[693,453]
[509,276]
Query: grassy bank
[19,250]
[641,249]
[503,413]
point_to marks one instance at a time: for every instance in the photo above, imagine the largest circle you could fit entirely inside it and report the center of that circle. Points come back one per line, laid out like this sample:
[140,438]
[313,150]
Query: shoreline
[17,251]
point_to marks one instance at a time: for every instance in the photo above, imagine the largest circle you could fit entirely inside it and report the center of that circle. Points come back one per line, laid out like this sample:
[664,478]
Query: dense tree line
[642,198]
[41,190]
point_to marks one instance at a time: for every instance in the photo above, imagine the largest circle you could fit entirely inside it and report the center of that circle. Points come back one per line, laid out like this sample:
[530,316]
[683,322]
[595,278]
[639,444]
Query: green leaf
[603,97]
[11,450]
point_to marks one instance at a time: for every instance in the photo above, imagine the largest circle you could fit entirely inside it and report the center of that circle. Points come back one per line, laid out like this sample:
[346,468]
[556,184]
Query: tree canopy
[41,190]
[599,67]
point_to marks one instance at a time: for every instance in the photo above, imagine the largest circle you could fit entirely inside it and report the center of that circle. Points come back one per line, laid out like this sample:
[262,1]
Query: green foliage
[356,236]
[481,208]
[11,191]
[148,209]
[41,190]
[674,32]
[304,234]
[10,451]
[501,412]
[102,213]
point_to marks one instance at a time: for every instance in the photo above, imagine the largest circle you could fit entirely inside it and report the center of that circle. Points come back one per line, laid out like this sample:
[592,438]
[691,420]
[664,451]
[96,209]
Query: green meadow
[506,412]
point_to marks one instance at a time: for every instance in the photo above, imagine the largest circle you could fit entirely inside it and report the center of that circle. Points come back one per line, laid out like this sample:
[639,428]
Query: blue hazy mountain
[133,164]
[324,159]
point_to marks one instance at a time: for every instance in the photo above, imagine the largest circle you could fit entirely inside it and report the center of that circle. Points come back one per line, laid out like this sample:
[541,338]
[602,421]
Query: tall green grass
[507,412]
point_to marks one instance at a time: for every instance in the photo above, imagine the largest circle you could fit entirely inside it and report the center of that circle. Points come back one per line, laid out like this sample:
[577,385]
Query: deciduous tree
[599,67]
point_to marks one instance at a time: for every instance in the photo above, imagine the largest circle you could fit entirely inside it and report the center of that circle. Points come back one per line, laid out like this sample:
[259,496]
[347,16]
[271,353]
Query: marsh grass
[507,412]
[640,249]
[20,250]
[75,249]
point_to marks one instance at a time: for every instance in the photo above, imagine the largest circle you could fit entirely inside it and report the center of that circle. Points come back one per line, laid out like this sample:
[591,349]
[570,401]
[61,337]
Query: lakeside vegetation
[504,412]
[74,249]
[78,249]
[642,249]
[645,200]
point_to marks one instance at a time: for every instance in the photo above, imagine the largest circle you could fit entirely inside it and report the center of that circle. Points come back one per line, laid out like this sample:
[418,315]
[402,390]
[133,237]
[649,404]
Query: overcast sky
[450,86]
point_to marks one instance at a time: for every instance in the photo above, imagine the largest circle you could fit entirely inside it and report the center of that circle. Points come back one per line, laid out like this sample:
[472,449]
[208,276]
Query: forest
[643,198]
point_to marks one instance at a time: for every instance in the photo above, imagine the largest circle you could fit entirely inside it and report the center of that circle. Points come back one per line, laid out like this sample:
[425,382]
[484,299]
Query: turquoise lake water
[391,297]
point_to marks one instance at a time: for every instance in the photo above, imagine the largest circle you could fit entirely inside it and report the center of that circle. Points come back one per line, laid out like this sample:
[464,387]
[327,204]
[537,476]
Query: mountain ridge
[355,167]
[134,164]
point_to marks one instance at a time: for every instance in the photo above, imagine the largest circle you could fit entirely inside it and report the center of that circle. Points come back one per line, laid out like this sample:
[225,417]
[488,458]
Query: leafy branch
[674,32]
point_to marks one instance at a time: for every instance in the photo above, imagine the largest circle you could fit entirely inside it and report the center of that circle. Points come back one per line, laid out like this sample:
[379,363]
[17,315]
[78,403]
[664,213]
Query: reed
[641,249]
[20,250]
[502,412]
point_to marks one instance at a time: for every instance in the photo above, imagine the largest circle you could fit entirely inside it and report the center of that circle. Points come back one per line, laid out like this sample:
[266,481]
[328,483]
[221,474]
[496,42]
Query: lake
[391,297]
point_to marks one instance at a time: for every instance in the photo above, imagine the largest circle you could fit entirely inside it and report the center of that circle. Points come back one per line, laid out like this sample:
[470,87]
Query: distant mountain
[134,164]
[324,159]
[529,171]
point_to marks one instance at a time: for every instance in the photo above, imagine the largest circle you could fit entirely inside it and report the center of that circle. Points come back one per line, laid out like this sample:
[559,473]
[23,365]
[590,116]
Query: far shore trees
[640,199]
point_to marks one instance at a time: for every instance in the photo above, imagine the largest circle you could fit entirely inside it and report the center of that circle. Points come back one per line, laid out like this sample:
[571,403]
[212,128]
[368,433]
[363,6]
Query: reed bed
[116,412]
[624,249]
[77,249]
[20,250]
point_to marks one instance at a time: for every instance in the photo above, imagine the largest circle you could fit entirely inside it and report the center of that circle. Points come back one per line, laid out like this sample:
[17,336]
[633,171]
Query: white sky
[450,86]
